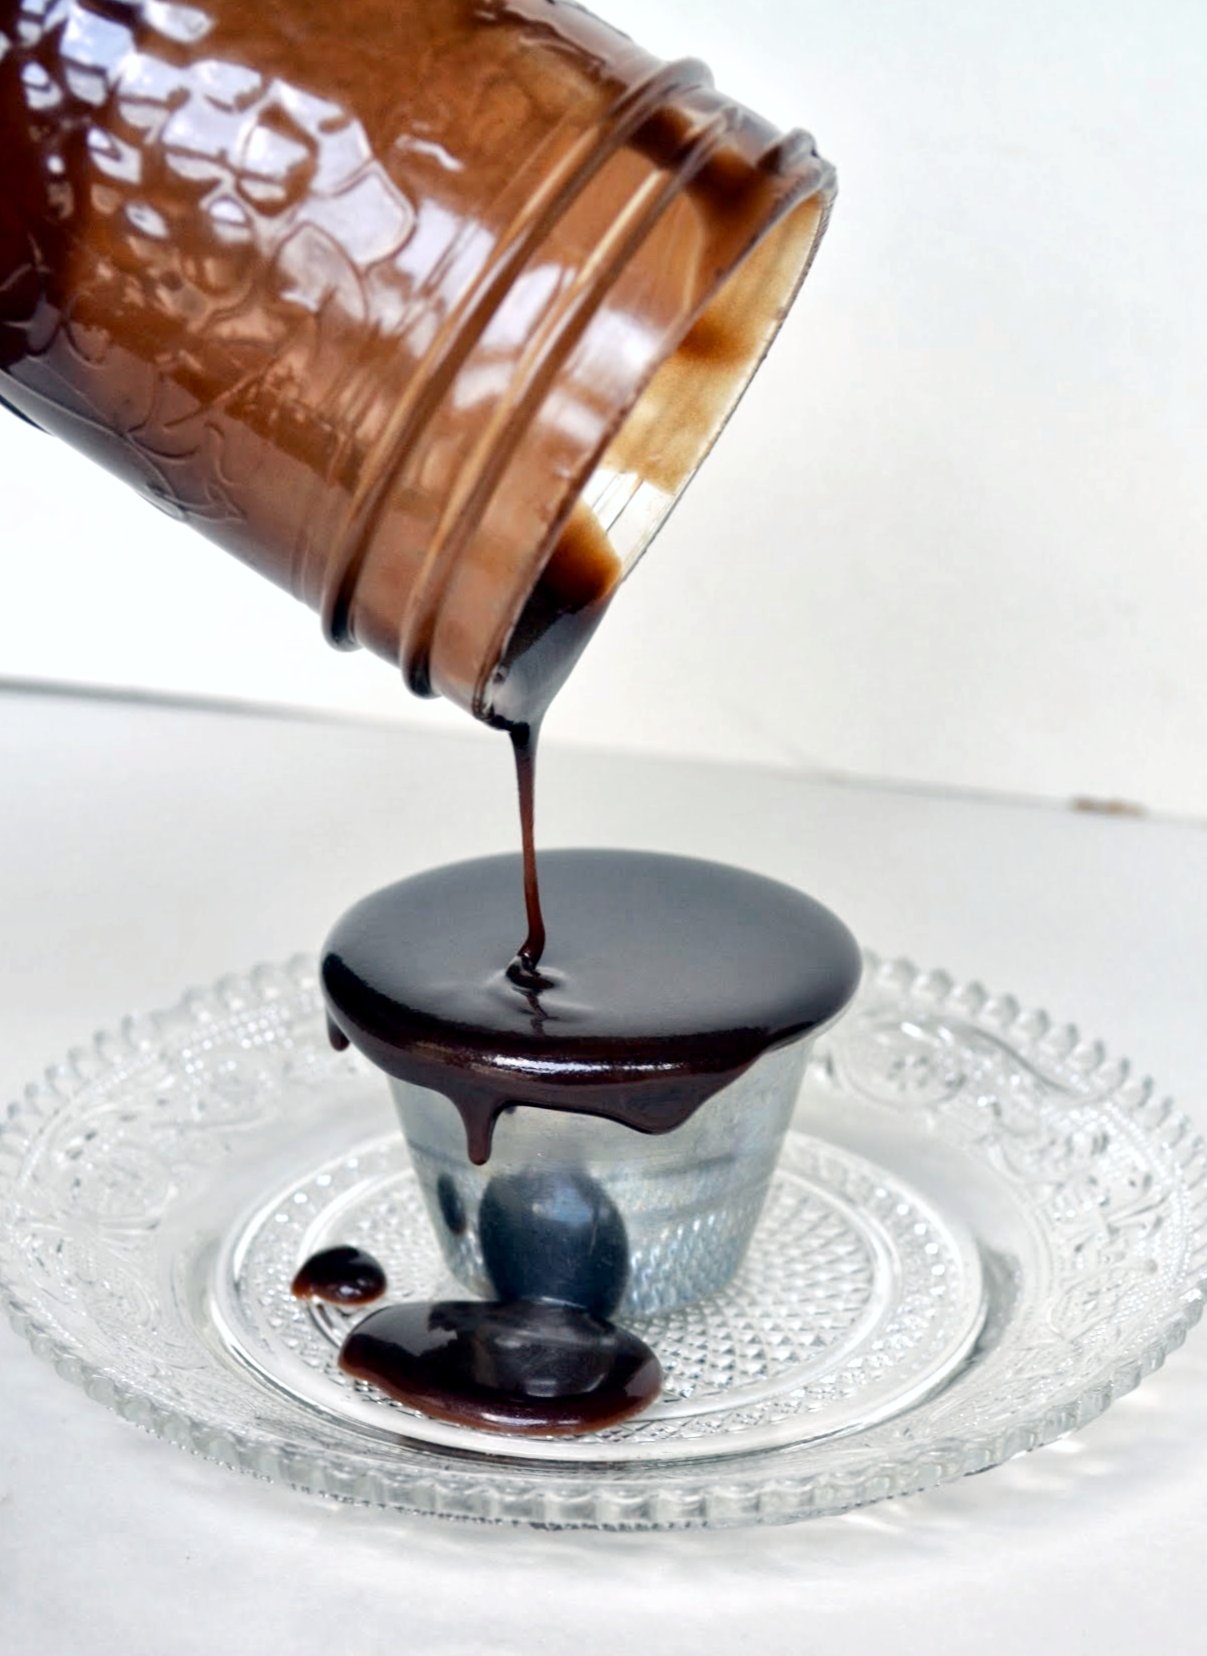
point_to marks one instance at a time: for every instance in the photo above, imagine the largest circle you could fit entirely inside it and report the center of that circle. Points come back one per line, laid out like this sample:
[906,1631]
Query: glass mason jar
[427,309]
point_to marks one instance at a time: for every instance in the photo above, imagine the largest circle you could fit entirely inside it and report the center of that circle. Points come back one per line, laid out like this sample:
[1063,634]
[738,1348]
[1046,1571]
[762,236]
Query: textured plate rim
[716,1496]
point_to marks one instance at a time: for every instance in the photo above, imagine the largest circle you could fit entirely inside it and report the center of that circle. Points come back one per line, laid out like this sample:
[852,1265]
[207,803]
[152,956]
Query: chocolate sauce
[542,1357]
[559,619]
[664,979]
[529,1366]
[341,1276]
[524,968]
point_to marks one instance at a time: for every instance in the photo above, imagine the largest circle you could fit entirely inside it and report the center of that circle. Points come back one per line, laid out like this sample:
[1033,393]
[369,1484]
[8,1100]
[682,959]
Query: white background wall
[956,533]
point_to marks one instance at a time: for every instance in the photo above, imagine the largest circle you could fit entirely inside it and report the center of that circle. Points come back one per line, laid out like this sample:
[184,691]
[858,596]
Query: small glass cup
[681,1206]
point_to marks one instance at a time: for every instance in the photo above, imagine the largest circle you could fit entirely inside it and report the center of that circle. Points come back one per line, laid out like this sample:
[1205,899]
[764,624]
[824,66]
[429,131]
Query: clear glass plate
[981,1232]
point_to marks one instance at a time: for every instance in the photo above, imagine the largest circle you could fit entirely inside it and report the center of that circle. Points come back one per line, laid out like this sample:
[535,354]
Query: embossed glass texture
[372,294]
[982,1230]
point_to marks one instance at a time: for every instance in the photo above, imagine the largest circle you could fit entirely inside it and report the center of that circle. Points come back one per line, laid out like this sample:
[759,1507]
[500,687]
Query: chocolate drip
[526,1367]
[523,968]
[561,615]
[341,1276]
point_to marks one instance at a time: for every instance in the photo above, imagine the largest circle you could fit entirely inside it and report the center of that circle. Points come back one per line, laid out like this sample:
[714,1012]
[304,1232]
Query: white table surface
[143,849]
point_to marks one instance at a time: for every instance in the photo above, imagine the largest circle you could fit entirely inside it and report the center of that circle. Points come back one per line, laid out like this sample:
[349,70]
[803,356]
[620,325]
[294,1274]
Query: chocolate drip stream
[523,969]
[558,622]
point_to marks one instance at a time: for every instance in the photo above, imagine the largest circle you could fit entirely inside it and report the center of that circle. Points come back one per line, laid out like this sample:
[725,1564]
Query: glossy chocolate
[525,1367]
[664,979]
[341,1276]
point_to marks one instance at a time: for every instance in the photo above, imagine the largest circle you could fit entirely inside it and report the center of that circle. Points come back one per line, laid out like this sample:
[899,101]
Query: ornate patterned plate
[981,1232]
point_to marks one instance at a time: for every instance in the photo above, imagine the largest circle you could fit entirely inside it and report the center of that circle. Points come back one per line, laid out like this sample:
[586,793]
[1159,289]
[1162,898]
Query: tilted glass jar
[427,309]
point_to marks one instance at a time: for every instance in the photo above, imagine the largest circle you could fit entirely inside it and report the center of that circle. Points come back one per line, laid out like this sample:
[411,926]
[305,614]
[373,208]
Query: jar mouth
[660,442]
[574,400]
[679,415]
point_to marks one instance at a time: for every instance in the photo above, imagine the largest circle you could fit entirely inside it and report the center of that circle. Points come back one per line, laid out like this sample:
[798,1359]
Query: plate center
[856,1300]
